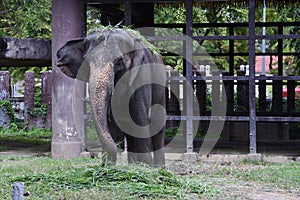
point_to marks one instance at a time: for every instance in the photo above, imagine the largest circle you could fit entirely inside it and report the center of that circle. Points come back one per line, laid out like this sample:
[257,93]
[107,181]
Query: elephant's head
[71,56]
[102,58]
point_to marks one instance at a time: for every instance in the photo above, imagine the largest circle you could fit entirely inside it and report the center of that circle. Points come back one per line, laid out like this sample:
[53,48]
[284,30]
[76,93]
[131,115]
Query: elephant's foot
[140,158]
[159,158]
[109,160]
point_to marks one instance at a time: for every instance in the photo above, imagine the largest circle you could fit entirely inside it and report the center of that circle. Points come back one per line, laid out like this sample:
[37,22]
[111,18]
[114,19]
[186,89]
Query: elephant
[126,88]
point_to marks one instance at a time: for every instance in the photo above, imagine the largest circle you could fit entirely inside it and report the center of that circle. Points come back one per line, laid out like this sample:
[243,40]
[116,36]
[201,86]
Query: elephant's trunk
[101,86]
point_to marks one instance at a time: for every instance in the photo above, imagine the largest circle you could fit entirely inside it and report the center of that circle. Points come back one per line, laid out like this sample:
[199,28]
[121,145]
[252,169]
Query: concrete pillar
[67,23]
[29,98]
[4,95]
[47,97]
[18,191]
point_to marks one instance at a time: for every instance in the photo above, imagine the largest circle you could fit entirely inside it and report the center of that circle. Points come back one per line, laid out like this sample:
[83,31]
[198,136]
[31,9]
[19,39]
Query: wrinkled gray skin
[108,57]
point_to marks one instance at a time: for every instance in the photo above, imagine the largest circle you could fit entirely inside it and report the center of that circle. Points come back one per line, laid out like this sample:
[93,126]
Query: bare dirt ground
[217,173]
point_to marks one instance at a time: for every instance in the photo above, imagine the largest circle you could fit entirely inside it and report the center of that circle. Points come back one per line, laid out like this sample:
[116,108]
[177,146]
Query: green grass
[279,175]
[82,178]
[35,136]
[85,178]
[282,175]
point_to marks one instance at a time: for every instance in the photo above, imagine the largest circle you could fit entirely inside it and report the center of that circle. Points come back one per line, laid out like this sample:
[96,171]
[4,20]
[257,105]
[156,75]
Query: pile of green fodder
[134,181]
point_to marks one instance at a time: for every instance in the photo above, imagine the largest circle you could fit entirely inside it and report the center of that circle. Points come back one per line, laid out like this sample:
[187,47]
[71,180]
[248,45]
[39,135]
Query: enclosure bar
[231,52]
[252,105]
[235,118]
[128,13]
[230,37]
[291,95]
[240,54]
[224,25]
[189,75]
[262,105]
[242,78]
[84,125]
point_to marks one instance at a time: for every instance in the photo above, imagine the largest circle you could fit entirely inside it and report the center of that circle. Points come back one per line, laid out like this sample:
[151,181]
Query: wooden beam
[25,52]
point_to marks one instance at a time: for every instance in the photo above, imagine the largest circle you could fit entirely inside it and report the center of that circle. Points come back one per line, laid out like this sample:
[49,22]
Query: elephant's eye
[118,62]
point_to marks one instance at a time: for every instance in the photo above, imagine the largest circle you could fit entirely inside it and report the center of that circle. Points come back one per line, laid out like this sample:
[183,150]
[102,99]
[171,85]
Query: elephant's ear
[83,67]
[137,61]
[75,40]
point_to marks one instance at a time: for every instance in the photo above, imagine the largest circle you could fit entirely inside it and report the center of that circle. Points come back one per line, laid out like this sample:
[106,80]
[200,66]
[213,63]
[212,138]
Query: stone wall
[24,107]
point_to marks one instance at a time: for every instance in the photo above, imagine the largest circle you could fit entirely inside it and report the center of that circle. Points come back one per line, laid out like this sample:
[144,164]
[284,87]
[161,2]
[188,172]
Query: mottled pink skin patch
[101,86]
[67,71]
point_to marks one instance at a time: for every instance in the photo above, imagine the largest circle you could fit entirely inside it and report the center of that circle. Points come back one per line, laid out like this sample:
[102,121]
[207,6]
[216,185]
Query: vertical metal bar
[128,21]
[128,13]
[84,86]
[277,101]
[189,75]
[252,105]
[280,51]
[84,18]
[263,71]
[291,95]
[231,51]
[262,95]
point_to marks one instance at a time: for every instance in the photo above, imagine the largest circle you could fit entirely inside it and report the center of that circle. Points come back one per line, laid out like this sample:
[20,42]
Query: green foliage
[39,108]
[14,124]
[134,33]
[173,13]
[25,19]
[6,107]
[173,132]
[33,137]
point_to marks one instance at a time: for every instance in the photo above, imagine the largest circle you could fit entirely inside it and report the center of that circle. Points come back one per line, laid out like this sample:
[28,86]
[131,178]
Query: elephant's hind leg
[158,149]
[139,150]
